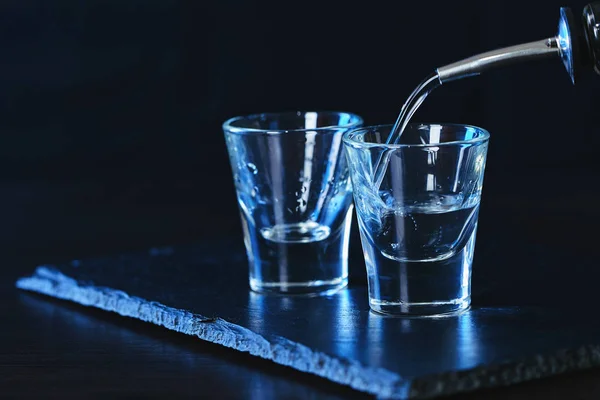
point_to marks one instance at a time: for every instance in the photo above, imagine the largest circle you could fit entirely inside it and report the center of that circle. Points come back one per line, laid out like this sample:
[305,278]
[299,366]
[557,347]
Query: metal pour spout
[565,45]
[475,65]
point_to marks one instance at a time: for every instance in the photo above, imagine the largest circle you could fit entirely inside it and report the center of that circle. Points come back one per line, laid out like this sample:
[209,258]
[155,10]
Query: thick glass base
[311,288]
[421,310]
[420,287]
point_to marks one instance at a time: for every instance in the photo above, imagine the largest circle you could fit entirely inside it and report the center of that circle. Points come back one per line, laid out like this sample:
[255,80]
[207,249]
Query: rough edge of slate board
[377,381]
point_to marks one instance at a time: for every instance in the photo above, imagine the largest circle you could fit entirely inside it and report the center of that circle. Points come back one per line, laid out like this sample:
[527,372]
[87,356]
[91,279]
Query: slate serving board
[201,290]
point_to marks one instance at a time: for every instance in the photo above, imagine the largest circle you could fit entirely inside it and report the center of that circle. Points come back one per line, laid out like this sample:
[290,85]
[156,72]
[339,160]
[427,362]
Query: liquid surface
[424,232]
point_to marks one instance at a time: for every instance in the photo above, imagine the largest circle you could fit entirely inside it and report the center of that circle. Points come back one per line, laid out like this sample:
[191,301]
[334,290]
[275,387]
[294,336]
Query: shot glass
[417,204]
[295,199]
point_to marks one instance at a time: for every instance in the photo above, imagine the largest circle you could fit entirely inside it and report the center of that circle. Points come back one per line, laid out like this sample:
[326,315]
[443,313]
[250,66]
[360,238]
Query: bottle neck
[591,36]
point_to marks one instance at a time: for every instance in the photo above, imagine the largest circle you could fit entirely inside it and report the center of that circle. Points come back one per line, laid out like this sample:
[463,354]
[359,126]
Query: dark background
[110,140]
[113,109]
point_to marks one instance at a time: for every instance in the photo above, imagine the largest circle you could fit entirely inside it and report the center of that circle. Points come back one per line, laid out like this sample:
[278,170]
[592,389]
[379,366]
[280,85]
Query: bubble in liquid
[252,168]
[414,222]
[385,226]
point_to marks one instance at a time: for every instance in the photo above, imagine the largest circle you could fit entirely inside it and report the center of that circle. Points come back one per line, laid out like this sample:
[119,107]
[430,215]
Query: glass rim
[484,137]
[229,125]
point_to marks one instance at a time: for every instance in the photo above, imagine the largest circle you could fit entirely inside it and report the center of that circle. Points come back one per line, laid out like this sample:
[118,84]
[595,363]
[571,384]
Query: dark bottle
[577,44]
[591,33]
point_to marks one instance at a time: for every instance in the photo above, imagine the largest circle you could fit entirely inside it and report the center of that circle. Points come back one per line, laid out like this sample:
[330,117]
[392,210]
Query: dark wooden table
[50,348]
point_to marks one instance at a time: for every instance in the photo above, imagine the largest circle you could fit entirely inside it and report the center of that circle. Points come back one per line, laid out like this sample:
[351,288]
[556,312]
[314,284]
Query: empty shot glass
[294,194]
[417,204]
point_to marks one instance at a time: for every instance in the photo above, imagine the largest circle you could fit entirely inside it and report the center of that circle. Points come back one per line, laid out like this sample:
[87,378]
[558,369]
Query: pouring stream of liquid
[411,105]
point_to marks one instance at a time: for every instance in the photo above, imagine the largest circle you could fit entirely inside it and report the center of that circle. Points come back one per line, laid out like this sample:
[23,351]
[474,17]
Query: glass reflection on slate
[294,195]
[456,341]
[266,312]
